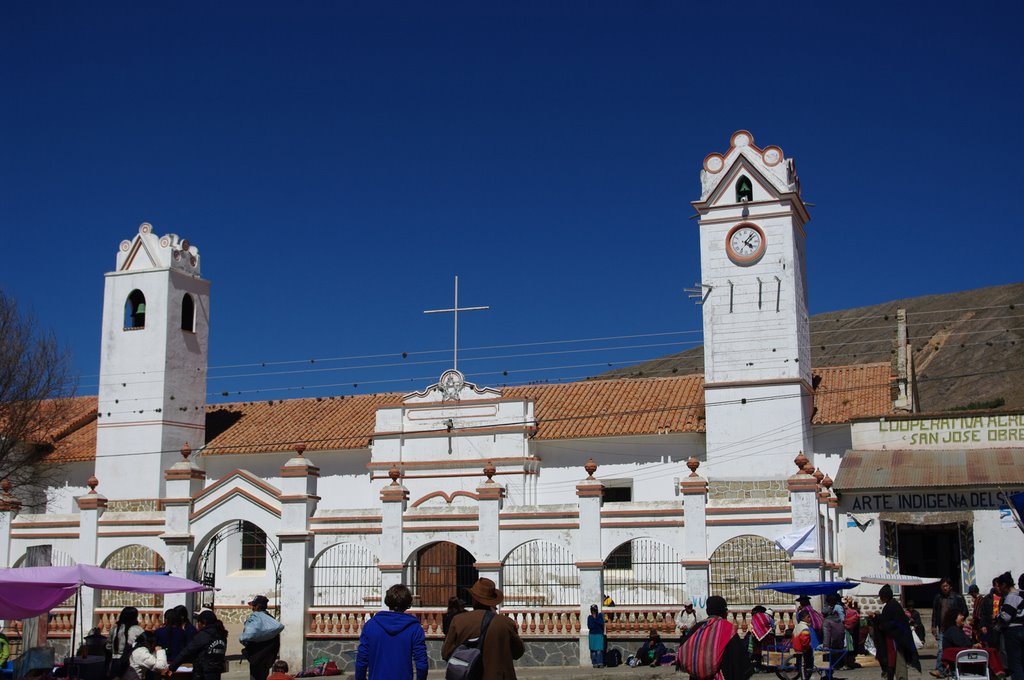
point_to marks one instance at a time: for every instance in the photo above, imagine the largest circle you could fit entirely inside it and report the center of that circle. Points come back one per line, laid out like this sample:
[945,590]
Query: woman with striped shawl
[762,634]
[713,652]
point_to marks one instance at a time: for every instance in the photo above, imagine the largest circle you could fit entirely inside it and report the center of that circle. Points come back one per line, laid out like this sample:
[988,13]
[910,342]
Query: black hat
[803,599]
[259,601]
[885,591]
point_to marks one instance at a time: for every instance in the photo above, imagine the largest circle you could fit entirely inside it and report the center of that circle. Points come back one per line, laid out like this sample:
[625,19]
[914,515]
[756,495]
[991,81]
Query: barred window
[254,547]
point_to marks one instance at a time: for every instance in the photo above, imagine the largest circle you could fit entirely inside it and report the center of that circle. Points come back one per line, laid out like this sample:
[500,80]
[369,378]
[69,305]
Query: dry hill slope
[968,347]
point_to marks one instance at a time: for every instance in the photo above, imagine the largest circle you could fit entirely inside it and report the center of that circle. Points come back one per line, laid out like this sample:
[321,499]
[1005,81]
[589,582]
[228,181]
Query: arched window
[188,314]
[744,189]
[254,547]
[135,310]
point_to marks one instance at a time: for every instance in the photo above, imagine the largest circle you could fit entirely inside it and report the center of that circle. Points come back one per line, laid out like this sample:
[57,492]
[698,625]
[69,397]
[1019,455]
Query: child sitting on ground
[279,671]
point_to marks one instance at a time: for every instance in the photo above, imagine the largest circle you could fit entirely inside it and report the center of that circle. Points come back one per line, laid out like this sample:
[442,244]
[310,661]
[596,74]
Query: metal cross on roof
[455,311]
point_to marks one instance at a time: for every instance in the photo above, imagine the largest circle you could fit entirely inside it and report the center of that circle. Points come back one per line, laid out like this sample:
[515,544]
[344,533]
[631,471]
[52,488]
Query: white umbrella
[898,579]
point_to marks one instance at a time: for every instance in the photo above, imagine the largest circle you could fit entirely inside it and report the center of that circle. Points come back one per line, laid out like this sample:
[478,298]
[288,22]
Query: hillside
[968,347]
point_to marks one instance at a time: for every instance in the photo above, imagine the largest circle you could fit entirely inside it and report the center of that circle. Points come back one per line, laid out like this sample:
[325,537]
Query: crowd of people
[893,635]
[392,645]
[133,653]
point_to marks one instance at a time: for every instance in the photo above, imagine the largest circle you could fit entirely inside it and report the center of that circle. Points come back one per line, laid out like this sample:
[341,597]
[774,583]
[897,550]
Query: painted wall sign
[914,501]
[997,431]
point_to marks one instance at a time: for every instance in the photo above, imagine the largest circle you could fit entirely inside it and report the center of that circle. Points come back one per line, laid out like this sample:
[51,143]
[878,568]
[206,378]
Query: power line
[598,339]
[603,414]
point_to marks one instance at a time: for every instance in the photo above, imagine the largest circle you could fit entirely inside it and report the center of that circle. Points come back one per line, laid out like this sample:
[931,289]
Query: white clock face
[745,244]
[745,241]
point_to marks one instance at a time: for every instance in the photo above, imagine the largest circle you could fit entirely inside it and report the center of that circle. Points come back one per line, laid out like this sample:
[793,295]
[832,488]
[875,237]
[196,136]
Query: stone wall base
[557,652]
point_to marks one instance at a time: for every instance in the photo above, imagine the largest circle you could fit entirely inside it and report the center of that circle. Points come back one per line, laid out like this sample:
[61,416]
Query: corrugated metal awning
[902,469]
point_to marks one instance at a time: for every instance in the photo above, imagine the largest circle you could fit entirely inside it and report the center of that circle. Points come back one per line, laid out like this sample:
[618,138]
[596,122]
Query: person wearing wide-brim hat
[814,618]
[502,644]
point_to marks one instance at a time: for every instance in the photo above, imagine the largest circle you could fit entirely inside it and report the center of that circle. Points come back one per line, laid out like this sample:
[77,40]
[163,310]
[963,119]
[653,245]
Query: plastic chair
[977,659]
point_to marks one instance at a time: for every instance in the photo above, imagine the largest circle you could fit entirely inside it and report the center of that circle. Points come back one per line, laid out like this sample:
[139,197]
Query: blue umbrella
[808,587]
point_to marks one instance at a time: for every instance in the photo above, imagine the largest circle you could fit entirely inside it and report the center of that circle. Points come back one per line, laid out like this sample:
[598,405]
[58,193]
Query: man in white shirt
[686,619]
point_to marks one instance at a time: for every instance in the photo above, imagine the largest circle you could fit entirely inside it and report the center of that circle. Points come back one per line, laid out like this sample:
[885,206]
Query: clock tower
[757,368]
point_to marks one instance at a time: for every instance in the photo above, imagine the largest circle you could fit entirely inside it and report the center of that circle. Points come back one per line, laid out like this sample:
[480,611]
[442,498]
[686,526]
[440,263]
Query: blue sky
[337,163]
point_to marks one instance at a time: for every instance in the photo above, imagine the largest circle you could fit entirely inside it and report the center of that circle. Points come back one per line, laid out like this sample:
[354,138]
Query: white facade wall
[757,439]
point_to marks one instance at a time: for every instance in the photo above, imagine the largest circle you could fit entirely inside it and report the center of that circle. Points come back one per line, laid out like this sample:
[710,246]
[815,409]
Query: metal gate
[645,572]
[346,575]
[206,565]
[540,573]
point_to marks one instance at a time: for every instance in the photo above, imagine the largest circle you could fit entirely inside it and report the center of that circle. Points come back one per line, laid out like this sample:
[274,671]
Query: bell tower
[153,362]
[757,368]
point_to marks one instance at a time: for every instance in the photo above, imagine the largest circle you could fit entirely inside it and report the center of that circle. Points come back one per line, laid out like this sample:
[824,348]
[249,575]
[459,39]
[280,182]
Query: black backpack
[467,661]
[612,658]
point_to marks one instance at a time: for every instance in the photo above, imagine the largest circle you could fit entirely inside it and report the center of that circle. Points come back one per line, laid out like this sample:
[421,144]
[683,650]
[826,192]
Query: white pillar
[298,503]
[394,500]
[9,508]
[488,557]
[803,501]
[694,490]
[91,507]
[183,481]
[589,555]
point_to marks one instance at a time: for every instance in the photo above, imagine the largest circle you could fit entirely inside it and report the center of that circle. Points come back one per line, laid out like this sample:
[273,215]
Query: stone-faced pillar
[490,495]
[803,499]
[394,499]
[694,490]
[10,506]
[91,507]
[183,481]
[589,555]
[298,499]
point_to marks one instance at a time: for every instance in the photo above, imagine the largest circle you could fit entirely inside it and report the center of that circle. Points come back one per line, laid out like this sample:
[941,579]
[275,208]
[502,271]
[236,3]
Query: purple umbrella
[30,591]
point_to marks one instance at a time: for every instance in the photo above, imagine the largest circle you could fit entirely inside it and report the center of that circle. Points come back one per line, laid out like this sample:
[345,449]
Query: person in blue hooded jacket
[392,641]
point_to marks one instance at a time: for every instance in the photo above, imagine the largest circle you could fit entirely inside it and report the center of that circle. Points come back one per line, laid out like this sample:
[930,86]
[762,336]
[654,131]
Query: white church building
[653,491]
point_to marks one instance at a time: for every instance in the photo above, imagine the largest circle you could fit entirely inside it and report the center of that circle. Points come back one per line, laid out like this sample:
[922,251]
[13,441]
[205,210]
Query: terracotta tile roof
[594,408]
[847,392]
[74,439]
[901,469]
[603,408]
[327,423]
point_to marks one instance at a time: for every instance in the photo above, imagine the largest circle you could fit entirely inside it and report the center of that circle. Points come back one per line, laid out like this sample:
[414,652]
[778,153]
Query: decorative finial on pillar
[808,470]
[827,482]
[300,449]
[590,467]
[819,475]
[394,473]
[186,451]
[6,486]
[693,464]
[489,471]
[92,483]
[800,461]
